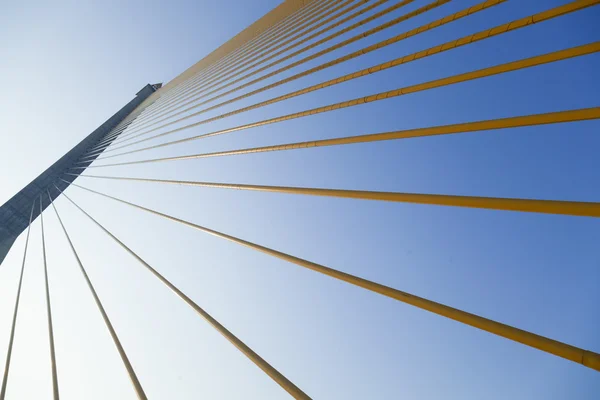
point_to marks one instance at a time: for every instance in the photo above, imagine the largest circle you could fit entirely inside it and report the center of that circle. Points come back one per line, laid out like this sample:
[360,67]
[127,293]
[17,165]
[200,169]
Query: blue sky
[67,66]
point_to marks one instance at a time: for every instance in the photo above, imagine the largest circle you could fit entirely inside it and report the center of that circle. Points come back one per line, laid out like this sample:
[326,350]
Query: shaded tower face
[6,241]
[14,214]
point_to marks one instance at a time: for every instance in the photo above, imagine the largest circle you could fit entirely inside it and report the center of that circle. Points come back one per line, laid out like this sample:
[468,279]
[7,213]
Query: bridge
[263,90]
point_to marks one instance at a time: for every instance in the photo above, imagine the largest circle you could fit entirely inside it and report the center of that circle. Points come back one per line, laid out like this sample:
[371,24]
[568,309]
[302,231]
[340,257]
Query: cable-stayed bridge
[264,66]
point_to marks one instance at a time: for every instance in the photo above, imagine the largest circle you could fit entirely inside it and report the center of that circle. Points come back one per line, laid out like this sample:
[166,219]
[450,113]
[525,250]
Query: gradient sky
[67,66]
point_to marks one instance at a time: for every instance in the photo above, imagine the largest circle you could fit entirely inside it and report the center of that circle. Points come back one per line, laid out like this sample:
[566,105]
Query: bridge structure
[291,42]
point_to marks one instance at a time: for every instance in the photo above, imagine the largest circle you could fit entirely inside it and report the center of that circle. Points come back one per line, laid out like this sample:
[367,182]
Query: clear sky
[67,66]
